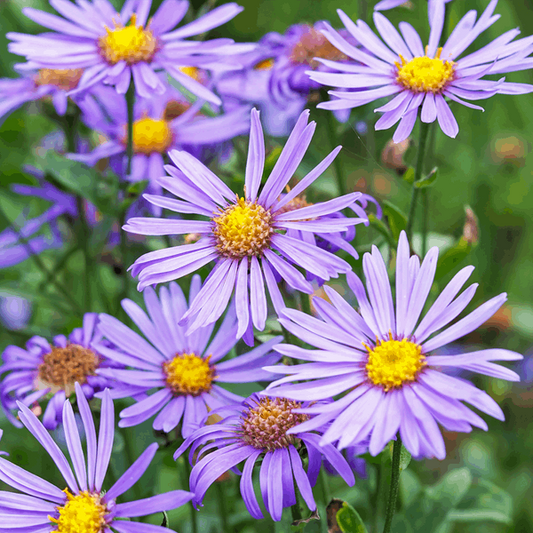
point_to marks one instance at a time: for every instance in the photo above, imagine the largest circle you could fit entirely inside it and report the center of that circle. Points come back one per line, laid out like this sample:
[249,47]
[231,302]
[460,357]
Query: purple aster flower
[381,359]
[258,429]
[161,124]
[112,47]
[422,77]
[45,370]
[15,312]
[43,83]
[245,235]
[81,505]
[184,369]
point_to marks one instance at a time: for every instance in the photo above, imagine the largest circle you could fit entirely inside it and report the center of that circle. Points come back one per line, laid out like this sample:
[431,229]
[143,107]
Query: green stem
[186,474]
[424,128]
[394,484]
[40,264]
[333,139]
[130,102]
[222,511]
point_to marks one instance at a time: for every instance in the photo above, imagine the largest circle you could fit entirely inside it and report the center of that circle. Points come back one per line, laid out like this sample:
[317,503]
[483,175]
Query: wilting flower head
[161,124]
[185,369]
[244,234]
[112,47]
[81,505]
[258,429]
[51,370]
[380,358]
[46,82]
[422,77]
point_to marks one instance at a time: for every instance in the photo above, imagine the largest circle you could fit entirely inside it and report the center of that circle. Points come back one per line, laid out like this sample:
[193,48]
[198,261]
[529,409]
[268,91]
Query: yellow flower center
[392,363]
[265,426]
[266,64]
[243,229]
[192,72]
[151,135]
[83,513]
[130,43]
[63,78]
[424,74]
[189,374]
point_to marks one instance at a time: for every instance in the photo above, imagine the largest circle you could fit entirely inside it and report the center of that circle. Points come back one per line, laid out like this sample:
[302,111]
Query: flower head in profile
[246,235]
[38,84]
[258,430]
[80,505]
[115,47]
[160,124]
[422,77]
[49,371]
[380,358]
[184,370]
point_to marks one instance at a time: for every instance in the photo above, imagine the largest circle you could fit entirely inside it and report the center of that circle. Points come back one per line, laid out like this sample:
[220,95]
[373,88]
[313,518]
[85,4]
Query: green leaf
[452,487]
[409,175]
[478,515]
[349,520]
[81,180]
[428,180]
[397,219]
[452,257]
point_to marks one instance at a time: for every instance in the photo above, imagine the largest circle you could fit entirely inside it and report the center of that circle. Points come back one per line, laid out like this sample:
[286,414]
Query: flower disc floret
[243,229]
[425,74]
[151,135]
[83,513]
[265,426]
[62,78]
[63,367]
[393,363]
[131,43]
[189,374]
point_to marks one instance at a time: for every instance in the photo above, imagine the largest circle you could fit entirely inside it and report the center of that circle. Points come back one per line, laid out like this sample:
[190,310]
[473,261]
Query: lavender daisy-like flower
[246,234]
[81,506]
[51,370]
[258,429]
[422,77]
[185,370]
[43,83]
[112,47]
[161,124]
[380,358]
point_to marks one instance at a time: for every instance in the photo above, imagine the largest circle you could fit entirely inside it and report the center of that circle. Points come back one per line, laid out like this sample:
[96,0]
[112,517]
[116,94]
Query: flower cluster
[149,181]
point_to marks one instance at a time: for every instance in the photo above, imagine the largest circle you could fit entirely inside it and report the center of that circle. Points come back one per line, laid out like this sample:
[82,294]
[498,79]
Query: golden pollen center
[296,203]
[83,513]
[130,43]
[189,374]
[392,363]
[151,135]
[62,367]
[63,78]
[424,74]
[243,229]
[265,426]
[314,44]
[266,64]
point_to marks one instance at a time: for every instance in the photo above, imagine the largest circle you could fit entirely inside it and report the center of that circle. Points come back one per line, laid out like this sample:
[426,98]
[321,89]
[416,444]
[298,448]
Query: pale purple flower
[246,236]
[184,371]
[379,358]
[258,430]
[15,311]
[114,47]
[81,501]
[48,371]
[422,77]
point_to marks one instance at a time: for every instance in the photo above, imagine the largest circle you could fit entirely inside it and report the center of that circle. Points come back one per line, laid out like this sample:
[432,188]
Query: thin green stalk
[424,128]
[186,474]
[130,102]
[222,510]
[333,139]
[394,484]
[40,264]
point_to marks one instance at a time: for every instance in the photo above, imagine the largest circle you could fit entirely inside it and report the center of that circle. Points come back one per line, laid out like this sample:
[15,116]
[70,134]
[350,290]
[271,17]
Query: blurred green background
[488,167]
